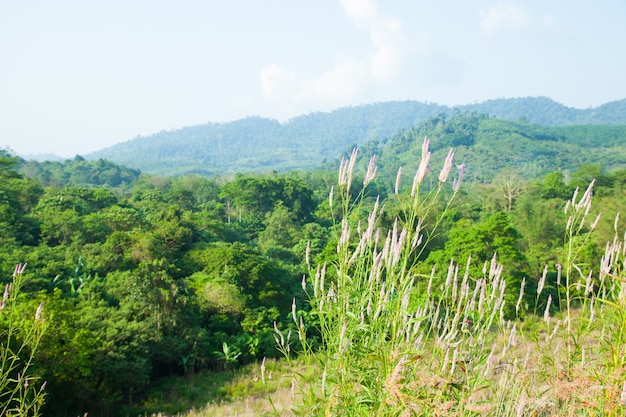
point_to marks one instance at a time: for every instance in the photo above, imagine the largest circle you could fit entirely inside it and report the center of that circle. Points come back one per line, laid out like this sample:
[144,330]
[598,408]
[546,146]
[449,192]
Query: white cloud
[504,16]
[275,80]
[350,77]
[338,85]
[362,12]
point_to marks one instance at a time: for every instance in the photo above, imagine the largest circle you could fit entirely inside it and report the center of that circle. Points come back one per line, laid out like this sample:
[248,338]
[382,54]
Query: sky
[78,76]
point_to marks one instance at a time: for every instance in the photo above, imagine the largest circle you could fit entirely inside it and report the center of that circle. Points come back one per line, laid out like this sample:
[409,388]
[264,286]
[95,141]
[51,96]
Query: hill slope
[257,144]
[488,145]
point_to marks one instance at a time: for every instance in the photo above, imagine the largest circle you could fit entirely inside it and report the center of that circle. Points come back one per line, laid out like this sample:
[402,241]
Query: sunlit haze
[77,76]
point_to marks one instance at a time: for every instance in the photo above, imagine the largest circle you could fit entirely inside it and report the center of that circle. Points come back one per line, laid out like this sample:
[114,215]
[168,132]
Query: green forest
[143,277]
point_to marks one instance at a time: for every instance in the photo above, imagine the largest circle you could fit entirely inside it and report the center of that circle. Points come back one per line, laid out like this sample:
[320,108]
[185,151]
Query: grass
[398,342]
[530,377]
[243,392]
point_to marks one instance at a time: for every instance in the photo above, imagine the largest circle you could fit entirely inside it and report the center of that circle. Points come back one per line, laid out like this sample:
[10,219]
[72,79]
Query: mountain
[487,145]
[257,144]
[547,112]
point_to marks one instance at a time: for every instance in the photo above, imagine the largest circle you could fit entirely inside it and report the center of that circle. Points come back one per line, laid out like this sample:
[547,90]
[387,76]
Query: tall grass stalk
[576,238]
[577,289]
[377,333]
[21,393]
[612,300]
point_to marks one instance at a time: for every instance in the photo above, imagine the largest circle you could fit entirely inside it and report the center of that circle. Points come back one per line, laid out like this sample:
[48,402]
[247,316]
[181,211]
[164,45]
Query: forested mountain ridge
[547,112]
[487,146]
[256,144]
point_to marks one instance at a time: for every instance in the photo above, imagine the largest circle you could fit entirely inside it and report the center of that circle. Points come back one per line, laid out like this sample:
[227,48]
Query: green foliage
[280,229]
[17,197]
[540,223]
[228,355]
[587,173]
[259,195]
[554,186]
[262,282]
[478,242]
[78,172]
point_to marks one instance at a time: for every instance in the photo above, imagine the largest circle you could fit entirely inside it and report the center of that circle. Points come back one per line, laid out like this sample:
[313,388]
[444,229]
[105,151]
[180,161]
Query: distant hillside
[547,112]
[40,157]
[488,145]
[257,144]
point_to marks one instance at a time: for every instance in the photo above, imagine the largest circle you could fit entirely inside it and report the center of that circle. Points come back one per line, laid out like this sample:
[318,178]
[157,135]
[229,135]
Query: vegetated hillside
[547,112]
[488,145]
[257,144]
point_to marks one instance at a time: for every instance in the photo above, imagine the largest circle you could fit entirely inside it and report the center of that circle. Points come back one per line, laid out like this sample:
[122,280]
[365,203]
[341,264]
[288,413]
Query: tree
[262,281]
[17,197]
[554,186]
[280,229]
[510,184]
[259,195]
[587,173]
[480,241]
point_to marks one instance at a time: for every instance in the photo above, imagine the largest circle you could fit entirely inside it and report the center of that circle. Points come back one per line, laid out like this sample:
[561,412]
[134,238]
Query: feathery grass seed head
[398,175]
[447,166]
[371,171]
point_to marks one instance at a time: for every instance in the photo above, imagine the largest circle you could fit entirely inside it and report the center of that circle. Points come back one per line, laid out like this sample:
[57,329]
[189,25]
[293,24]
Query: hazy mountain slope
[547,112]
[256,144]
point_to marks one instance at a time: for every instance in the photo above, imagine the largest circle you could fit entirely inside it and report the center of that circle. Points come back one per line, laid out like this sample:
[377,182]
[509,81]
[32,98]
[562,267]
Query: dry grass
[531,379]
[280,403]
[251,391]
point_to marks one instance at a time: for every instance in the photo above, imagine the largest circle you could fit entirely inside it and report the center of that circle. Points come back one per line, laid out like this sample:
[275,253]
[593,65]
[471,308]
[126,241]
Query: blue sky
[78,76]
